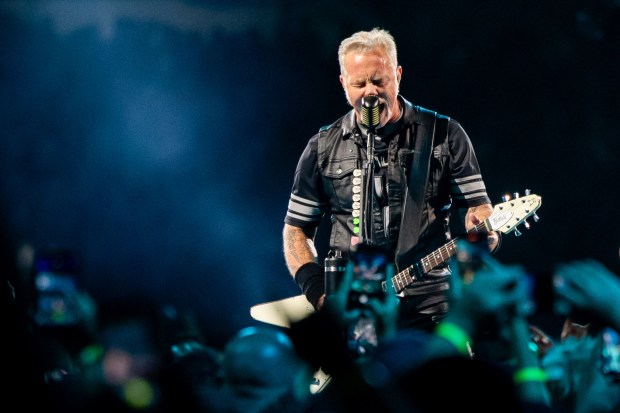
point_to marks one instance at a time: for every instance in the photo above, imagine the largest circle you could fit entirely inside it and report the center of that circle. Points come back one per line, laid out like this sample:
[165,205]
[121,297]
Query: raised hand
[589,285]
[496,291]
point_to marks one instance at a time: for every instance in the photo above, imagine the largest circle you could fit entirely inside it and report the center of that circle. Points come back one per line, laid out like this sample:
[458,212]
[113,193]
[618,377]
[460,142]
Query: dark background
[159,139]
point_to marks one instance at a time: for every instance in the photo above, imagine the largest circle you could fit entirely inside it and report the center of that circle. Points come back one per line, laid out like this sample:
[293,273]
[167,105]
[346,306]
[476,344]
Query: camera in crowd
[470,252]
[371,265]
[57,282]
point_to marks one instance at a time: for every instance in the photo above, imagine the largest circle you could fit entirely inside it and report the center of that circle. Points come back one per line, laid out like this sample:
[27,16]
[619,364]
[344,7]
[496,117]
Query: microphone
[370,112]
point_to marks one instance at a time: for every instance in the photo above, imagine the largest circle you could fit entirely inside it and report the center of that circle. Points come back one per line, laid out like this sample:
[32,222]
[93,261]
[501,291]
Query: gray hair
[365,41]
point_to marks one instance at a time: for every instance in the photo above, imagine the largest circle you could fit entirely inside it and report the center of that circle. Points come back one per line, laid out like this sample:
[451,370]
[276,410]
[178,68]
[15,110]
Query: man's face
[372,73]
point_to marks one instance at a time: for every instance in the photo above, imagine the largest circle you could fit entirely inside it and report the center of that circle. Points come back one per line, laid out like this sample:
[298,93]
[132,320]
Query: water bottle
[335,266]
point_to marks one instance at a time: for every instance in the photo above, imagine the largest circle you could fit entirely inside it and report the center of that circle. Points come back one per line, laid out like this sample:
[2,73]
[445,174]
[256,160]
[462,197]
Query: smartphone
[543,298]
[611,353]
[370,269]
[470,251]
[57,285]
[370,266]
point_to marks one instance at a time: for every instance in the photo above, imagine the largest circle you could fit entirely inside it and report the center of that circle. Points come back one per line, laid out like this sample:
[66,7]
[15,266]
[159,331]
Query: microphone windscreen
[370,111]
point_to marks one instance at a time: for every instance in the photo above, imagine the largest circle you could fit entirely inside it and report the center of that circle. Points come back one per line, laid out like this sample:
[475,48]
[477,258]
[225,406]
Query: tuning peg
[528,191]
[517,232]
[535,217]
[515,195]
[505,197]
[526,224]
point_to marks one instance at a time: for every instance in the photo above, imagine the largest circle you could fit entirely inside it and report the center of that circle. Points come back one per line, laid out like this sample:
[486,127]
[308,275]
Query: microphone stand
[367,199]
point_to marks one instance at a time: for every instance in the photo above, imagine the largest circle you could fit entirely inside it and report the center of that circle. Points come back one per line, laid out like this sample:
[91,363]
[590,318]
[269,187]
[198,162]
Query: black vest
[342,150]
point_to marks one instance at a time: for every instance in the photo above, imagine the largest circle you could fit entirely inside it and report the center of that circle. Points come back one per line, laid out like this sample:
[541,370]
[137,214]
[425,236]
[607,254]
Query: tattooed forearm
[298,248]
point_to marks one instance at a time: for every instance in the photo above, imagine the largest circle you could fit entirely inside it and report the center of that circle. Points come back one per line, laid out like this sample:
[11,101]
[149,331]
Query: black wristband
[311,279]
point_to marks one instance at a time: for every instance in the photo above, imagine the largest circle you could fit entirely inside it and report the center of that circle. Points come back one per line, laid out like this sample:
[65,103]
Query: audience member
[152,358]
[584,367]
[260,373]
[396,379]
[17,360]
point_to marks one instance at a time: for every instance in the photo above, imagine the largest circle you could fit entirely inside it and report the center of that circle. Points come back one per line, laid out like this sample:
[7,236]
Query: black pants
[424,305]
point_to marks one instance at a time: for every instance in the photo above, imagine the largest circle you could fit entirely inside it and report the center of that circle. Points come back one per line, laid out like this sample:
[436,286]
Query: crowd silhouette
[486,355]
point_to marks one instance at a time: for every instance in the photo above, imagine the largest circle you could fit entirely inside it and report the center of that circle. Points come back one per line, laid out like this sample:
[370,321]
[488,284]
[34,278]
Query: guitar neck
[505,218]
[439,256]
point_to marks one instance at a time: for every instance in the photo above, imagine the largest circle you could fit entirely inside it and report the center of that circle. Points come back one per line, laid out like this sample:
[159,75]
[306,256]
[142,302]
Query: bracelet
[455,336]
[530,374]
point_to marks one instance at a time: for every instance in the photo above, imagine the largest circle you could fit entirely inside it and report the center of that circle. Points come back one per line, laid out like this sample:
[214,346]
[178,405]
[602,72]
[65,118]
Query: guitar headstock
[513,212]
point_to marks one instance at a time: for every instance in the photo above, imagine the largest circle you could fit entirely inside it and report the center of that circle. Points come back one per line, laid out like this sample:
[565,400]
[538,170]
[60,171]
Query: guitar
[505,219]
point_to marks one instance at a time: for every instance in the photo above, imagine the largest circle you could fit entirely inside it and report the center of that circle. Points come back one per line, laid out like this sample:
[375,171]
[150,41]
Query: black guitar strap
[427,125]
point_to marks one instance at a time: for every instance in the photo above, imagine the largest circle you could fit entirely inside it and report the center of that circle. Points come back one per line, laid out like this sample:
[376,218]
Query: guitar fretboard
[419,269]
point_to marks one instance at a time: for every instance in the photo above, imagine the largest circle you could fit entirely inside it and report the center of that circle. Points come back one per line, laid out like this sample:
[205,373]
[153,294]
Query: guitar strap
[427,124]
